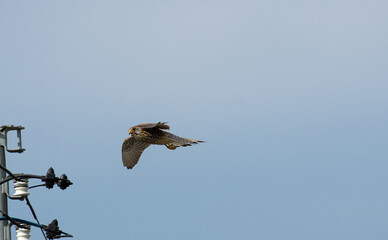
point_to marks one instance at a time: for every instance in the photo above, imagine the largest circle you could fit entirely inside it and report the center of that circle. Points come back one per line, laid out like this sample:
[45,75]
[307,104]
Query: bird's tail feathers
[182,142]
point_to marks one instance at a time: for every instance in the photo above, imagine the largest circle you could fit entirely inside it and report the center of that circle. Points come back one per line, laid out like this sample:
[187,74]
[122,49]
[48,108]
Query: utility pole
[5,233]
[4,227]
[21,193]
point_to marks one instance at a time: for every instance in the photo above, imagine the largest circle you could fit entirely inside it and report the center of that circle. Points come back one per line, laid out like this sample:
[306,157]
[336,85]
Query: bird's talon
[171,147]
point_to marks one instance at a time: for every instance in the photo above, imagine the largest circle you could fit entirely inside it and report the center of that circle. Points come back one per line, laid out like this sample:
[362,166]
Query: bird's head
[134,131]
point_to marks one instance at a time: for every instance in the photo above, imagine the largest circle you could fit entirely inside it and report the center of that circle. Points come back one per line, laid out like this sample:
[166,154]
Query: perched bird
[145,134]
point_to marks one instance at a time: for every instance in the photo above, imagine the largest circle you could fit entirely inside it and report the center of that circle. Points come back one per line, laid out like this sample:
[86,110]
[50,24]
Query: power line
[34,215]
[21,192]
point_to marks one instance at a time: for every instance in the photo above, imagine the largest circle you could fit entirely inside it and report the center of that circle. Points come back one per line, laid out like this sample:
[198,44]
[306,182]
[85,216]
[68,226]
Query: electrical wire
[17,220]
[9,173]
[17,176]
[7,217]
[34,215]
[35,186]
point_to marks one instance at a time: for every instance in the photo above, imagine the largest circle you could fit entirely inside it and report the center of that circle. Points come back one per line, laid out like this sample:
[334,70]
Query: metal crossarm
[3,137]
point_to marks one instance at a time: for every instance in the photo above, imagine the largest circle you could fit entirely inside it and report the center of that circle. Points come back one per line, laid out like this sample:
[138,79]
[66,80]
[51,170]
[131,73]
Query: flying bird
[146,134]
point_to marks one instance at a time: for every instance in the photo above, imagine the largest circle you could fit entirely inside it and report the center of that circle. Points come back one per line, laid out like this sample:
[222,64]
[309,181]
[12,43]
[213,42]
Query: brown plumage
[146,134]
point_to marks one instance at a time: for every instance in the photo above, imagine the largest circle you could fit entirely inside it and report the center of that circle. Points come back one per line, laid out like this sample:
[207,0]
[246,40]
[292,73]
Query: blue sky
[290,97]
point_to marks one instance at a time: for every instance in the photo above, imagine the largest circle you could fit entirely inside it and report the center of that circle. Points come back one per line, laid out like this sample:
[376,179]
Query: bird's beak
[130,131]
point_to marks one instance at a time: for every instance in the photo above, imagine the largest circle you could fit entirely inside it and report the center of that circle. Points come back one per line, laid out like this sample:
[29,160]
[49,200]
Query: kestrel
[146,134]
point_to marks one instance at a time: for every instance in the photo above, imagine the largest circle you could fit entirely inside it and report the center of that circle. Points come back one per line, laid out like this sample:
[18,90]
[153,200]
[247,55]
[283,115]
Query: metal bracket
[3,137]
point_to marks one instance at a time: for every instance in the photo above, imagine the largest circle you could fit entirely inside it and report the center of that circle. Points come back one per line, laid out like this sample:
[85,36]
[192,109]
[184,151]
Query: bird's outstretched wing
[159,125]
[131,151]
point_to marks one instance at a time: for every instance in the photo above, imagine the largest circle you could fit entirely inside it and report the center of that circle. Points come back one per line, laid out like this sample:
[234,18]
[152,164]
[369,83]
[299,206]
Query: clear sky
[290,96]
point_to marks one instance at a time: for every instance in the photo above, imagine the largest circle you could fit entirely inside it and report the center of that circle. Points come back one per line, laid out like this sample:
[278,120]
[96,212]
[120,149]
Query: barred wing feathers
[131,151]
